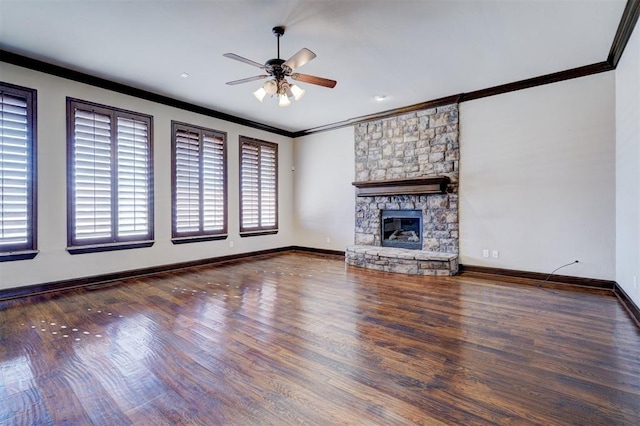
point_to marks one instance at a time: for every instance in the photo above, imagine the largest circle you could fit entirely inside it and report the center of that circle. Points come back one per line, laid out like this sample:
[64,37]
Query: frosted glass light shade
[260,94]
[270,86]
[298,93]
[283,101]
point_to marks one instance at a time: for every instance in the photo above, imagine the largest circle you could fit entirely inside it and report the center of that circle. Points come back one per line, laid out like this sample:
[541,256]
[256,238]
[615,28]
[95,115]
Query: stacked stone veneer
[418,144]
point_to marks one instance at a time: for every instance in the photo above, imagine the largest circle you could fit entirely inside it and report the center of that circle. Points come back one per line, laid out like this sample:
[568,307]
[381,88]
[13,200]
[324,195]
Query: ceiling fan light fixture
[298,93]
[279,69]
[260,94]
[283,101]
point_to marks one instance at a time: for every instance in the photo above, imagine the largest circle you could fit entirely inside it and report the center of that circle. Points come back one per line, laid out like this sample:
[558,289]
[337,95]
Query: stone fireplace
[407,163]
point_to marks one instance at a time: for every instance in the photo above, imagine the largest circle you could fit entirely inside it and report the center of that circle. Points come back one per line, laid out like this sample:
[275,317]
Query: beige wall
[53,262]
[555,143]
[324,197]
[628,169]
[536,180]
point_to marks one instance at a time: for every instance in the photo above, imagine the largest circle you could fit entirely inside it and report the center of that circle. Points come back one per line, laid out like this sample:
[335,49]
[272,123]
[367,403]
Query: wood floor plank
[298,338]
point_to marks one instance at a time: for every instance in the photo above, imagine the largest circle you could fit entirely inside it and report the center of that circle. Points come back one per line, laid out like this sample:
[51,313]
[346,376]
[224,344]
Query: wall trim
[538,276]
[99,281]
[454,99]
[69,74]
[339,253]
[627,303]
[59,71]
[30,290]
[470,96]
[561,281]
[542,80]
[623,34]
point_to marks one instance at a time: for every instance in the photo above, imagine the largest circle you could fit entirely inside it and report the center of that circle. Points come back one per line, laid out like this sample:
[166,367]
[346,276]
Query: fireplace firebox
[401,228]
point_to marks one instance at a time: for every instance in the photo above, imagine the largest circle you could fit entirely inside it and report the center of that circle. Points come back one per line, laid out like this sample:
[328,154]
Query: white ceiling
[410,51]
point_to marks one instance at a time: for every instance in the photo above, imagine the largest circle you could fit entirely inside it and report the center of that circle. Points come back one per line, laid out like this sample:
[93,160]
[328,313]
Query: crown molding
[69,74]
[538,81]
[625,29]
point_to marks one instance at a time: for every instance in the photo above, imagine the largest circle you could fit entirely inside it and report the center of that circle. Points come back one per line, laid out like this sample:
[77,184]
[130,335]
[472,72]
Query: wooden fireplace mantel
[415,186]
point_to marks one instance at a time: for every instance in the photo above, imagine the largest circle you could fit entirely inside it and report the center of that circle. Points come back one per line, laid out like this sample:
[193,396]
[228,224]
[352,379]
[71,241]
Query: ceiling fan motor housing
[274,67]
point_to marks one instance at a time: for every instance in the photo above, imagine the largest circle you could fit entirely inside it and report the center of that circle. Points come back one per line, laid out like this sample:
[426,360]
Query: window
[199,179]
[110,178]
[17,173]
[258,187]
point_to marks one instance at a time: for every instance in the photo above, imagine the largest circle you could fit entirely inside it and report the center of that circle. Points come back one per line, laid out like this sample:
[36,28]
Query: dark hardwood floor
[298,338]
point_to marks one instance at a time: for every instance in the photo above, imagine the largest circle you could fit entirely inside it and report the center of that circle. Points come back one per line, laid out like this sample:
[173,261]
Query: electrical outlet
[329,240]
[231,244]
[485,253]
[495,254]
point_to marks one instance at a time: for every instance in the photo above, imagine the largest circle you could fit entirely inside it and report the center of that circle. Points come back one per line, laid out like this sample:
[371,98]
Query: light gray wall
[537,180]
[324,197]
[567,128]
[628,169]
[54,262]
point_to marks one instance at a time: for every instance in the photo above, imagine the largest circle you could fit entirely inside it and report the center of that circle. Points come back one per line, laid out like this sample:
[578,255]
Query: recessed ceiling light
[184,75]
[380,98]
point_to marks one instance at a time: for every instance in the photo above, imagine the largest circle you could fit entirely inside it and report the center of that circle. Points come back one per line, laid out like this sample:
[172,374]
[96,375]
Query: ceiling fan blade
[241,59]
[303,56]
[312,79]
[246,80]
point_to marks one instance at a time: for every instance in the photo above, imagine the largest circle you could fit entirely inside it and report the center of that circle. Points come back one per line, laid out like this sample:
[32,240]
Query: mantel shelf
[416,186]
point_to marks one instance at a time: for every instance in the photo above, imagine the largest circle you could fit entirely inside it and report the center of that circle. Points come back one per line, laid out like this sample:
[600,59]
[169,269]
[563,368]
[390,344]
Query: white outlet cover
[495,254]
[485,253]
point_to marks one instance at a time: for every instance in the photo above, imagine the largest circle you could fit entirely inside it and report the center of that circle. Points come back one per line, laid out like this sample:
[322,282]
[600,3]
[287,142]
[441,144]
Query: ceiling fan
[279,69]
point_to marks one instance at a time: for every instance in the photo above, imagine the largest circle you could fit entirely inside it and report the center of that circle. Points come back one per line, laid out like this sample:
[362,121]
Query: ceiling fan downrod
[279,32]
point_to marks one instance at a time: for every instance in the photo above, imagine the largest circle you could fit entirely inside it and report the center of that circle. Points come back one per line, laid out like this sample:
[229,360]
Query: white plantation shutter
[258,185]
[213,183]
[110,175]
[133,178]
[16,170]
[187,182]
[250,186]
[199,181]
[92,175]
[268,168]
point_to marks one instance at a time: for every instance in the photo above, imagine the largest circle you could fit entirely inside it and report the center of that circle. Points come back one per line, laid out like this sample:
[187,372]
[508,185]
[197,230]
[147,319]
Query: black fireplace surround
[401,228]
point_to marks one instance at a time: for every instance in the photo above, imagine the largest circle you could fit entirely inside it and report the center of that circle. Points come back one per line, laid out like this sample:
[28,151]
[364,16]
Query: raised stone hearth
[403,261]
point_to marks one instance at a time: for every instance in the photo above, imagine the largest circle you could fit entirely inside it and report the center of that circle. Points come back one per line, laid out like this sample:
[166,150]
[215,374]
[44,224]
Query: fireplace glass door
[401,228]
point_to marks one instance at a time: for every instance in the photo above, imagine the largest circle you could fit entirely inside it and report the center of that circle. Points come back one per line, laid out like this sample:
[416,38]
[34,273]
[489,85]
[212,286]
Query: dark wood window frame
[259,229]
[113,242]
[201,234]
[27,249]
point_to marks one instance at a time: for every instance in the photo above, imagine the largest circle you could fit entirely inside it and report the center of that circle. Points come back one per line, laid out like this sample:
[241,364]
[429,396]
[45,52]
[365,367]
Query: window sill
[198,238]
[18,255]
[95,248]
[244,234]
